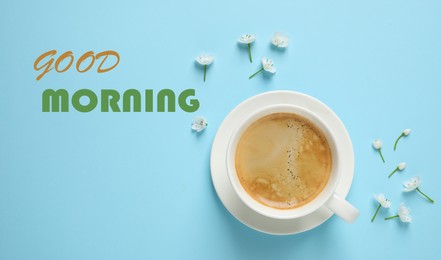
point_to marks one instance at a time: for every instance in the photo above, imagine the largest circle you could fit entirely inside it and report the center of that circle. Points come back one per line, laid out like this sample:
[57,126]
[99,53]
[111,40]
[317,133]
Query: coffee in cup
[283,160]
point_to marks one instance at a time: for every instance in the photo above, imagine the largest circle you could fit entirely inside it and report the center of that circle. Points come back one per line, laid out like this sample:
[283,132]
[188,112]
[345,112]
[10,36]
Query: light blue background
[137,185]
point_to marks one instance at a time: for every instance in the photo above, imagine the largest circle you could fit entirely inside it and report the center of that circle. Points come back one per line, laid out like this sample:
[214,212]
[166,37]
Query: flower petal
[384,202]
[247,38]
[412,184]
[271,70]
[377,144]
[404,213]
[268,65]
[405,219]
[280,40]
[199,124]
[205,59]
[408,186]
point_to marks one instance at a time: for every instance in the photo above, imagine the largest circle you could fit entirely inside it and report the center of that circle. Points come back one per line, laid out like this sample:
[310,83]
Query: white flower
[267,65]
[412,184]
[205,60]
[385,203]
[280,40]
[405,132]
[404,213]
[377,144]
[247,38]
[400,167]
[199,123]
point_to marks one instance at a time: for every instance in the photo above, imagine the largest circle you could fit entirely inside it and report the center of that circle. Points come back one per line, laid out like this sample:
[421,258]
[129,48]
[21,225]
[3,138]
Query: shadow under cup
[326,194]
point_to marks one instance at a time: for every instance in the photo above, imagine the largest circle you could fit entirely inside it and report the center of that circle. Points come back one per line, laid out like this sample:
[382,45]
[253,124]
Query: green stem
[256,73]
[379,206]
[396,142]
[396,169]
[205,71]
[427,197]
[391,217]
[249,52]
[381,154]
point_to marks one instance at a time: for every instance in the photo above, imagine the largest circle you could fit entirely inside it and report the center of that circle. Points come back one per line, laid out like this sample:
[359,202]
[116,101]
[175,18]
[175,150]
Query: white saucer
[222,183]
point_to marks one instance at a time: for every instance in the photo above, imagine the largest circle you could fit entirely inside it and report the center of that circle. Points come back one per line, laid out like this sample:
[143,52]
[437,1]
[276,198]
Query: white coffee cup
[327,197]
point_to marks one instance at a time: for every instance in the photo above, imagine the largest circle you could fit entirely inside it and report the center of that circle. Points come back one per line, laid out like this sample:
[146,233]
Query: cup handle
[342,208]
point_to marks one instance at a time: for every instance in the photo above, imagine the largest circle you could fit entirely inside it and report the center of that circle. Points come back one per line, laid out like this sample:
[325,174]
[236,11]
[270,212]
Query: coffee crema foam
[283,160]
